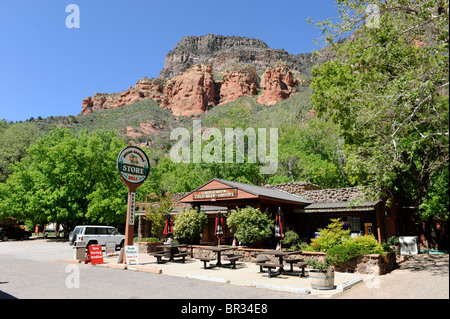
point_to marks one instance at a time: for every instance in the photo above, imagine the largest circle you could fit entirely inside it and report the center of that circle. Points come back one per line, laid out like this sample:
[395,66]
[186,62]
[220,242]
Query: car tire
[5,238]
[92,242]
[26,237]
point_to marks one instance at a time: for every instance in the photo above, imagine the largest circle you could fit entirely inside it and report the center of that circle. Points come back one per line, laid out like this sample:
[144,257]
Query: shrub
[361,245]
[330,237]
[150,240]
[343,253]
[188,225]
[368,245]
[318,264]
[291,238]
[393,240]
[249,224]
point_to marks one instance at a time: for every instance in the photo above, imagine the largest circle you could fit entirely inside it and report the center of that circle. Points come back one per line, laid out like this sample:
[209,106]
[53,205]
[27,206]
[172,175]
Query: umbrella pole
[280,245]
[219,241]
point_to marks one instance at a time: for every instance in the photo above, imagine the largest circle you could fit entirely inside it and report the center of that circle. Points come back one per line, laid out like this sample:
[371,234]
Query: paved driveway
[420,277]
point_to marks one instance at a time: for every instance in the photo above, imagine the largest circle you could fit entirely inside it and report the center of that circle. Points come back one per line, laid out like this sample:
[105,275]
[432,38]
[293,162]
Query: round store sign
[133,165]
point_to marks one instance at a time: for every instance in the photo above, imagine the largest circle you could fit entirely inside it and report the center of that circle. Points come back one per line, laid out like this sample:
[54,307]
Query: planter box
[322,279]
[145,247]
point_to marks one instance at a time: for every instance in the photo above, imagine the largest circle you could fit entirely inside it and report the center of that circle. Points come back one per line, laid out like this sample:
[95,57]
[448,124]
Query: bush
[393,240]
[343,253]
[249,224]
[188,225]
[368,245]
[291,238]
[361,245]
[330,237]
[318,264]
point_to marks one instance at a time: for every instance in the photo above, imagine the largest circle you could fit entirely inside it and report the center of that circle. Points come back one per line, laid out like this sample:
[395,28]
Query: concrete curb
[208,278]
[348,284]
[282,288]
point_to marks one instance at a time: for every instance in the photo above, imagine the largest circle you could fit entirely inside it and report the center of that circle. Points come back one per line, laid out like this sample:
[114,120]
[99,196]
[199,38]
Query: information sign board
[131,254]
[96,254]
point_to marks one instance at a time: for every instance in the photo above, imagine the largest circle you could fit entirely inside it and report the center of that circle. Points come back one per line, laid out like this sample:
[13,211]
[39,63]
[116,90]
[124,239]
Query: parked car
[13,232]
[96,235]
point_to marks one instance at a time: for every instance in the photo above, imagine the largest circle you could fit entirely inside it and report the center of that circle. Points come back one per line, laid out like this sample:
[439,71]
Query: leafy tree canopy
[387,88]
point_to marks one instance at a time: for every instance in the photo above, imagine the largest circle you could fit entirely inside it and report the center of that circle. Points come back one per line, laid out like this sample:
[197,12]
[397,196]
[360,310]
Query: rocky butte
[202,72]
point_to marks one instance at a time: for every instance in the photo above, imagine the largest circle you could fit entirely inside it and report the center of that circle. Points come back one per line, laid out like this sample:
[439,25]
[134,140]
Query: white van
[96,235]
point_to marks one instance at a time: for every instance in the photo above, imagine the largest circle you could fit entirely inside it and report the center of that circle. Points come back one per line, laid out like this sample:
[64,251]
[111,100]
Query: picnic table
[171,251]
[280,254]
[219,250]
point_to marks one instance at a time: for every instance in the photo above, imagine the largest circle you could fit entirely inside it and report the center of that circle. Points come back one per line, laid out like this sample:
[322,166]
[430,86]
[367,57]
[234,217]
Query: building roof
[257,191]
[340,206]
[264,191]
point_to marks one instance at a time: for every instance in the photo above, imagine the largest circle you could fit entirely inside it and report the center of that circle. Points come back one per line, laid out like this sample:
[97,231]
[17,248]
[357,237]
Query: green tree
[14,142]
[67,179]
[188,225]
[312,150]
[250,224]
[157,210]
[387,88]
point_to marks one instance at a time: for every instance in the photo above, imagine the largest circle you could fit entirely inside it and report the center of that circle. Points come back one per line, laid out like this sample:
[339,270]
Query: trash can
[79,250]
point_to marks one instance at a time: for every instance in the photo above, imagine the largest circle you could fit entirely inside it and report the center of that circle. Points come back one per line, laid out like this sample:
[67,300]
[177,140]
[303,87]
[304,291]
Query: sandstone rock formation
[223,51]
[144,89]
[190,92]
[238,81]
[279,84]
[236,63]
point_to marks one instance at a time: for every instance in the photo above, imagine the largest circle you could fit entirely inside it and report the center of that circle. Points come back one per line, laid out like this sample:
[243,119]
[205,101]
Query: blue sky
[47,69]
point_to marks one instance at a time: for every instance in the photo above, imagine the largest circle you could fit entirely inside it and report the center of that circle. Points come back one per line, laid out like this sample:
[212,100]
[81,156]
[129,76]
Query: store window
[355,223]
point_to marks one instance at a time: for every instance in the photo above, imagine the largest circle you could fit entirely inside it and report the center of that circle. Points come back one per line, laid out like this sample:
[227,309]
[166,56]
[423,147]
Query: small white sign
[131,255]
[132,207]
[110,248]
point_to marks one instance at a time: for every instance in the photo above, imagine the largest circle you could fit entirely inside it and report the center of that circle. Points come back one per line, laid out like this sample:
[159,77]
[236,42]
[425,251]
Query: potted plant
[322,274]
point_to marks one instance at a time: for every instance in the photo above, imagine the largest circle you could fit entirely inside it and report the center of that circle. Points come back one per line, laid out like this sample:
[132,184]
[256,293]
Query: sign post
[133,166]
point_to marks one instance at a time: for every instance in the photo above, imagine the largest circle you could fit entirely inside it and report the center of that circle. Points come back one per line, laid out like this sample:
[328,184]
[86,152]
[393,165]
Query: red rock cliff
[190,92]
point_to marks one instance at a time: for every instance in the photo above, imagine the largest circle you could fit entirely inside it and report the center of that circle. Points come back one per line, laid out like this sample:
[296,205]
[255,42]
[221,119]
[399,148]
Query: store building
[306,207]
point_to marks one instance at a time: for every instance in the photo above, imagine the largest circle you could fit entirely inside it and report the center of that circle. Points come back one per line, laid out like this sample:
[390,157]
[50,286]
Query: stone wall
[144,247]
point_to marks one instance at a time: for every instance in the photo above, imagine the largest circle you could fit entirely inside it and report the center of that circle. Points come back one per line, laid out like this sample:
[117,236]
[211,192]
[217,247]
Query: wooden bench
[261,259]
[301,265]
[232,259]
[182,255]
[269,267]
[159,255]
[205,260]
[291,262]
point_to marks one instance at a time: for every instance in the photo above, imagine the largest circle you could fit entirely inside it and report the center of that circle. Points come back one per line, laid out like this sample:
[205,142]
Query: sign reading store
[216,194]
[133,165]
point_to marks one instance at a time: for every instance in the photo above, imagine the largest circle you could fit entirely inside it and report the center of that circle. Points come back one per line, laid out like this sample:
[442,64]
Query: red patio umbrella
[168,228]
[219,228]
[280,229]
